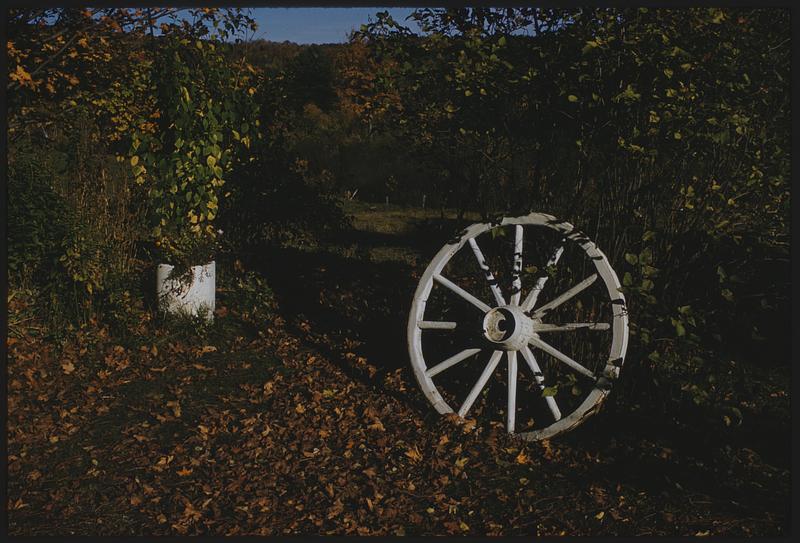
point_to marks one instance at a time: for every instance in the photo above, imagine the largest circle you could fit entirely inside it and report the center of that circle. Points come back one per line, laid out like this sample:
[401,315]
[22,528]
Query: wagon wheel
[476,305]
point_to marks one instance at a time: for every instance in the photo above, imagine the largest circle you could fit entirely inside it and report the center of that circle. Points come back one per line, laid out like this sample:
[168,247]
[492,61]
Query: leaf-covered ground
[309,422]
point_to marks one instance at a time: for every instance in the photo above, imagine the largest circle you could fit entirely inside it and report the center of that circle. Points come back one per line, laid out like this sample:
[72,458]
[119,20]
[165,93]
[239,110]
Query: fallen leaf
[414,454]
[68,367]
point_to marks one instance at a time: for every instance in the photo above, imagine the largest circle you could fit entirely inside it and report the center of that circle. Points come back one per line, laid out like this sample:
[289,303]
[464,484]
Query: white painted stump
[502,324]
[192,295]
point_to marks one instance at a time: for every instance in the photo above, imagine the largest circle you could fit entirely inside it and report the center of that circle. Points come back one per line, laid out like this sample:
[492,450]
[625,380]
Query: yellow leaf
[521,458]
[572,98]
[184,472]
[21,76]
[134,160]
[68,367]
[600,515]
[300,409]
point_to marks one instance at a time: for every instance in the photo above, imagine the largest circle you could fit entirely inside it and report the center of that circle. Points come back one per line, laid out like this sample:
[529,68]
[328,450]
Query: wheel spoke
[498,295]
[512,390]
[568,295]
[473,394]
[539,378]
[445,282]
[516,283]
[452,361]
[436,325]
[570,326]
[552,351]
[533,295]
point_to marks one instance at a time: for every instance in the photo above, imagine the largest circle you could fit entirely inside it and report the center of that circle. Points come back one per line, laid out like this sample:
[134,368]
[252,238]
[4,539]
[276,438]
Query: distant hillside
[272,55]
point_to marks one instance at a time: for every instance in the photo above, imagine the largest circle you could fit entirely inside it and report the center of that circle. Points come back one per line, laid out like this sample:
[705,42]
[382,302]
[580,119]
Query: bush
[38,218]
[74,221]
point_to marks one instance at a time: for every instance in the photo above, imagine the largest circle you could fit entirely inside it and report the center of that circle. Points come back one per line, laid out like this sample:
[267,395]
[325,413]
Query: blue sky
[317,25]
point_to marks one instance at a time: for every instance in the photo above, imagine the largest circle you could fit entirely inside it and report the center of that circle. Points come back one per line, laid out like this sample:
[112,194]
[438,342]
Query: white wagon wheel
[510,323]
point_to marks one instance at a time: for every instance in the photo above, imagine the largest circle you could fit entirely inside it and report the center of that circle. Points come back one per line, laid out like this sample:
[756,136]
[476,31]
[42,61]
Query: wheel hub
[508,327]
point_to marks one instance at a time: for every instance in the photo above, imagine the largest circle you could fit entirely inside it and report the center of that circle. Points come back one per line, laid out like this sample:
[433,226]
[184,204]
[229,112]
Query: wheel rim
[512,324]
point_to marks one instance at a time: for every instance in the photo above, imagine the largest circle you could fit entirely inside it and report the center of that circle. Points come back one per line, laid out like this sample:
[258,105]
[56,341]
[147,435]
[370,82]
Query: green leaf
[727,294]
[589,46]
[550,391]
[631,258]
[211,161]
[627,279]
[649,271]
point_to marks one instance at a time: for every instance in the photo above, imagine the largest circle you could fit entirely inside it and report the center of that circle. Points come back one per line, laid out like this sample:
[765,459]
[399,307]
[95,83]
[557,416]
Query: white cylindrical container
[192,294]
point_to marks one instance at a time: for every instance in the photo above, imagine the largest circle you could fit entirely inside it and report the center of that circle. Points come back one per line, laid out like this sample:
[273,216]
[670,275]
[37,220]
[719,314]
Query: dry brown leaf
[414,454]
